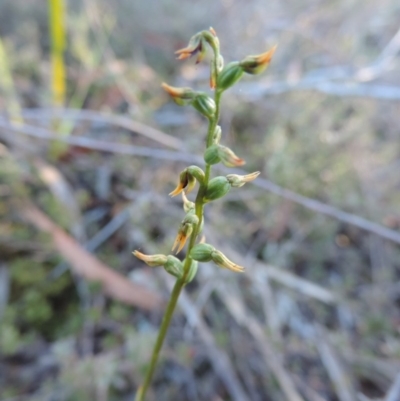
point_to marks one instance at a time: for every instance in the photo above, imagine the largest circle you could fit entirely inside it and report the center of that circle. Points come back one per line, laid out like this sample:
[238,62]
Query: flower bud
[185,231]
[238,181]
[174,266]
[204,104]
[195,45]
[222,261]
[257,64]
[212,39]
[187,180]
[197,173]
[211,155]
[217,188]
[229,76]
[192,271]
[228,158]
[202,252]
[151,260]
[181,96]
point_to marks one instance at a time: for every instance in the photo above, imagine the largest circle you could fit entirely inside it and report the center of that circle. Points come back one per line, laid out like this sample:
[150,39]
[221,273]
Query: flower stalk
[221,78]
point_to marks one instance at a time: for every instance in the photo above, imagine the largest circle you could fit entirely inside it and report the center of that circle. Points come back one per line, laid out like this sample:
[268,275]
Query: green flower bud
[204,104]
[185,231]
[222,261]
[187,180]
[257,64]
[151,260]
[197,173]
[211,155]
[238,181]
[192,271]
[174,266]
[202,252]
[217,188]
[228,157]
[229,76]
[181,96]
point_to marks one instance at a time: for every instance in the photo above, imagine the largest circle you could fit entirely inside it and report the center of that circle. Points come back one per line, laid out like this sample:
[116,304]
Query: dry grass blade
[272,359]
[87,265]
[4,288]
[337,372]
[63,192]
[299,284]
[116,120]
[113,147]
[263,271]
[218,358]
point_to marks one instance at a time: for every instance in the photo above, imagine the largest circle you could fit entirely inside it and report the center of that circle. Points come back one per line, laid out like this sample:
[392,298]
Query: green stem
[180,283]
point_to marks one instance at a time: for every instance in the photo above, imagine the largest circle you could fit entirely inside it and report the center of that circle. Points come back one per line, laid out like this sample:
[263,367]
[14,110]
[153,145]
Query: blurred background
[90,147]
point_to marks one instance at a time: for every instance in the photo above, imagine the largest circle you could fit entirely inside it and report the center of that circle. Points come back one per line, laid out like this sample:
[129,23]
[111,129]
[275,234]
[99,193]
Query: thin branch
[336,370]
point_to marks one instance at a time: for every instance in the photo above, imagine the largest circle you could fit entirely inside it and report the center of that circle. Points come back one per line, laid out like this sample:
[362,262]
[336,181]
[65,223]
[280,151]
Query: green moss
[26,272]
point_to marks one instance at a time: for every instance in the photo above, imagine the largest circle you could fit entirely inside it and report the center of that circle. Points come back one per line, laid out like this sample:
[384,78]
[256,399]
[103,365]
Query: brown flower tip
[182,236]
[195,46]
[186,182]
[179,242]
[229,158]
[257,64]
[181,96]
[185,231]
[212,30]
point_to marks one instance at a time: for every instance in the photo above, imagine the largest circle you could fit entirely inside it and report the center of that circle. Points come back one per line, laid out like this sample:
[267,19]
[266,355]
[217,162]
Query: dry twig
[87,265]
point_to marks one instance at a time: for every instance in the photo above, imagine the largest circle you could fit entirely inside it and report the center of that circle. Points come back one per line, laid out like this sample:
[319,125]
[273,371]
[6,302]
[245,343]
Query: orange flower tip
[167,88]
[171,90]
[212,83]
[183,56]
[212,30]
[179,243]
[176,242]
[175,192]
[267,56]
